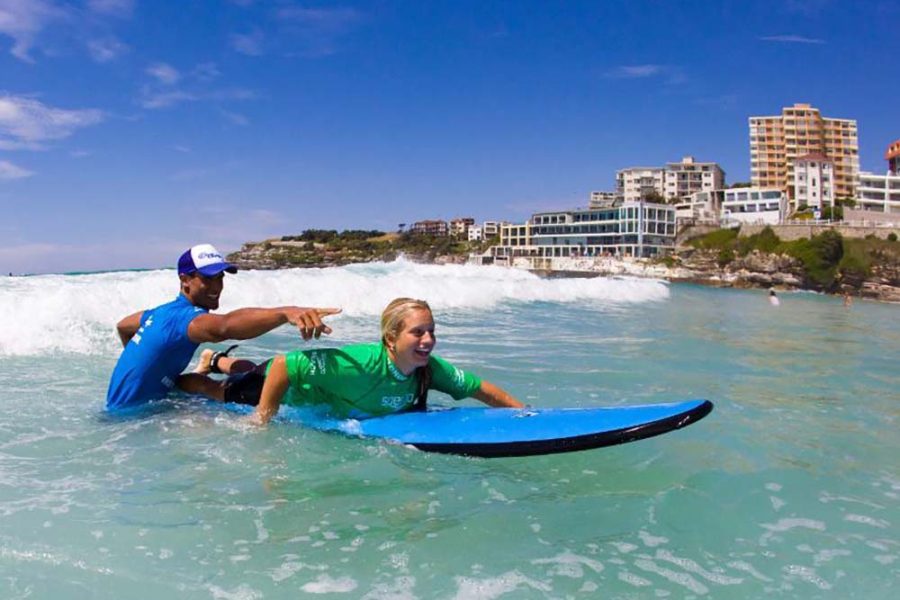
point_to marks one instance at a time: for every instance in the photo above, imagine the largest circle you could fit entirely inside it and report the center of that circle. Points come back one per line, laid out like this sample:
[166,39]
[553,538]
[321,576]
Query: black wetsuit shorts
[246,387]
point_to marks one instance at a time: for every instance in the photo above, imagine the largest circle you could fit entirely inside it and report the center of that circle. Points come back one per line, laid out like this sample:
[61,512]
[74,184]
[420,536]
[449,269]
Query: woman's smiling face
[413,345]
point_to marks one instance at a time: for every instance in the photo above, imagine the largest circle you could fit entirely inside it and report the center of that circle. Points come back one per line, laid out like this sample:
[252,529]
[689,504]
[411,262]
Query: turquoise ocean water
[789,489]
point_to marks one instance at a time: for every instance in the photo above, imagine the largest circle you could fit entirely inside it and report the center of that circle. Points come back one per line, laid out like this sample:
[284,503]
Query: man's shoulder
[180,306]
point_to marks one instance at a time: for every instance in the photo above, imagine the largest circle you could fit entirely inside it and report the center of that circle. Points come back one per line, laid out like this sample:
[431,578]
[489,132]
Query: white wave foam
[77,313]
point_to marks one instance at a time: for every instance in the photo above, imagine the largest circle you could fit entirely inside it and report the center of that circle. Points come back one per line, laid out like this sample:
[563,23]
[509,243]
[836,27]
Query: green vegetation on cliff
[325,247]
[827,258]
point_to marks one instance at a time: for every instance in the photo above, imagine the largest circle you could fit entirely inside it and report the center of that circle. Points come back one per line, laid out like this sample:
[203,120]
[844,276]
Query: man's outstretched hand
[309,320]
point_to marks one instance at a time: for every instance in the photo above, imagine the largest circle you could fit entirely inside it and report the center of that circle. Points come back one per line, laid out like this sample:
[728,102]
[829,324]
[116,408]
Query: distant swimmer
[848,299]
[160,342]
[357,381]
[773,298]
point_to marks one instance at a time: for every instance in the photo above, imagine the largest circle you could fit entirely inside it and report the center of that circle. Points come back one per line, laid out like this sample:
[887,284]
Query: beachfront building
[639,229]
[636,183]
[459,228]
[813,182]
[490,229]
[684,178]
[754,206]
[431,227]
[880,194]
[700,208]
[515,236]
[485,231]
[776,142]
[603,199]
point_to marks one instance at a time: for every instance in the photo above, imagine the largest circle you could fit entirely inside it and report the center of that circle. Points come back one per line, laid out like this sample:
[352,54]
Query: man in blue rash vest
[160,342]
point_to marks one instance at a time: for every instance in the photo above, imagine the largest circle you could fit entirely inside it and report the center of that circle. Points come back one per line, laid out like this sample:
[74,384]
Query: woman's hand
[495,396]
[275,386]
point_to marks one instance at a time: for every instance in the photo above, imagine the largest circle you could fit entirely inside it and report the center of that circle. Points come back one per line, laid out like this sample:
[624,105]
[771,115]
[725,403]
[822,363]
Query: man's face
[203,291]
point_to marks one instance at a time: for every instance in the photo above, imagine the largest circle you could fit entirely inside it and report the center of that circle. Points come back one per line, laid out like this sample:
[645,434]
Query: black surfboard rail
[576,443]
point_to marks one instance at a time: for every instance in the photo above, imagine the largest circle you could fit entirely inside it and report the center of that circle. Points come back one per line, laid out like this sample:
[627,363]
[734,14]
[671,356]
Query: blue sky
[131,129]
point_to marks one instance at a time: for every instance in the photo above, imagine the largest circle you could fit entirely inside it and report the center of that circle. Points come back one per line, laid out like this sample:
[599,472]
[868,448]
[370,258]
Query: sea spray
[77,313]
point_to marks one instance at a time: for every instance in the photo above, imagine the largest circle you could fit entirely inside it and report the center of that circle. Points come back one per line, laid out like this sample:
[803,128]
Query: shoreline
[741,278]
[755,270]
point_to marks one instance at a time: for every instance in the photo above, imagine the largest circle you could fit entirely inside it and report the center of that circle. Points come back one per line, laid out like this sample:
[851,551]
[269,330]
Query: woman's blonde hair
[395,313]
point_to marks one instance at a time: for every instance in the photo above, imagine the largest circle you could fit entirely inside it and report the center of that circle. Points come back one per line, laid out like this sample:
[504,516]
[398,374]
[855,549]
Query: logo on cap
[203,259]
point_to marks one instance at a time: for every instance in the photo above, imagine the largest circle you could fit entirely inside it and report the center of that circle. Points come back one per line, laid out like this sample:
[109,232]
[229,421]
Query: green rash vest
[360,380]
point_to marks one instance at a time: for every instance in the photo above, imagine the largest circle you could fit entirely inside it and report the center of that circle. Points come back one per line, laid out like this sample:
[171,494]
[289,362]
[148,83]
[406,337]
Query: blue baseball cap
[204,259]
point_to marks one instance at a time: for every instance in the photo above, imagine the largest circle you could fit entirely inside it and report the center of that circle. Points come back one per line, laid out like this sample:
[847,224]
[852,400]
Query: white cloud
[163,93]
[23,20]
[792,39]
[206,72]
[235,118]
[250,44]
[153,99]
[119,8]
[164,73]
[232,94]
[671,74]
[79,153]
[106,49]
[27,123]
[9,171]
[635,71]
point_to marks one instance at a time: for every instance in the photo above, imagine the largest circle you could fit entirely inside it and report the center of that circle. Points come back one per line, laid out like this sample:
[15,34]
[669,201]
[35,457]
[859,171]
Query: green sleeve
[298,366]
[452,381]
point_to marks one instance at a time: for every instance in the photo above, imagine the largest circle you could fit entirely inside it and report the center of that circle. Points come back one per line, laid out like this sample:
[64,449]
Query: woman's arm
[273,389]
[494,396]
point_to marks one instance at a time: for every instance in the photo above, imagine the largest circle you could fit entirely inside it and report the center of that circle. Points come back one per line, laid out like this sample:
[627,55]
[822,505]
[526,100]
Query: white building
[754,206]
[633,184]
[689,176]
[485,231]
[879,193]
[603,199]
[639,229]
[813,182]
[490,229]
[700,207]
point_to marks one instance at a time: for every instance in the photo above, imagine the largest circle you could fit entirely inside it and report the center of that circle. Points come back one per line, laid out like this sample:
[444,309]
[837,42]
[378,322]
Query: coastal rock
[754,270]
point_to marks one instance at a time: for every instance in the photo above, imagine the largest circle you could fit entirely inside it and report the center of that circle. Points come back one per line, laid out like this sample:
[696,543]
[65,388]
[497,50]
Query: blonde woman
[360,380]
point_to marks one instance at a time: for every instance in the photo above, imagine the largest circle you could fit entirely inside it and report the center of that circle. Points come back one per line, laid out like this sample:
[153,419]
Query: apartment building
[490,228]
[754,205]
[633,184]
[640,229]
[776,142]
[431,227]
[700,207]
[880,193]
[684,178]
[485,231]
[459,227]
[603,199]
[813,182]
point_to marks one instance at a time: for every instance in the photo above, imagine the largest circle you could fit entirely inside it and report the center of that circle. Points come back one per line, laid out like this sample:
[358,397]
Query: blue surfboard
[498,432]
